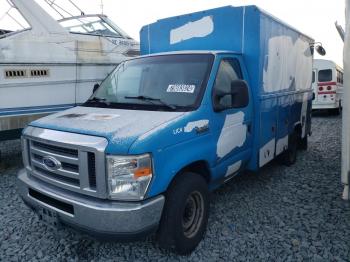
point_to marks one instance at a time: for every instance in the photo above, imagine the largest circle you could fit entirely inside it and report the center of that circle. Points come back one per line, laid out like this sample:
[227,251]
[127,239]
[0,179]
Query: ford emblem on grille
[51,163]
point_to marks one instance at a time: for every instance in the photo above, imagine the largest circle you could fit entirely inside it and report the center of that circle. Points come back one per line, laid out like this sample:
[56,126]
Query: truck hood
[119,126]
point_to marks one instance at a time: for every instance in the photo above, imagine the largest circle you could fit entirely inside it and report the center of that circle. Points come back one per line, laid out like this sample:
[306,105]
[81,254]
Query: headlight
[129,176]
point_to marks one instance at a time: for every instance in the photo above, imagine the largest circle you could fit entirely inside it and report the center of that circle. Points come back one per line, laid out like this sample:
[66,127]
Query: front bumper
[99,217]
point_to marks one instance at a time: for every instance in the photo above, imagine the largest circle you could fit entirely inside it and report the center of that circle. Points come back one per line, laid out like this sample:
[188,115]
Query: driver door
[232,129]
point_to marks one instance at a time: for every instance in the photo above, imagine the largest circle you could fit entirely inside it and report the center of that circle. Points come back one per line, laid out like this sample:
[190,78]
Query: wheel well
[199,167]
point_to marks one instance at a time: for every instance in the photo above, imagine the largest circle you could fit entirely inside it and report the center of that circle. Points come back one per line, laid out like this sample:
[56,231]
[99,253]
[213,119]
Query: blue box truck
[215,93]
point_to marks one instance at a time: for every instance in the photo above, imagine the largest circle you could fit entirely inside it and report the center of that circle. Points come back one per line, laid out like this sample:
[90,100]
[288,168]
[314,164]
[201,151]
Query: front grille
[65,166]
[52,175]
[55,149]
[92,169]
[72,168]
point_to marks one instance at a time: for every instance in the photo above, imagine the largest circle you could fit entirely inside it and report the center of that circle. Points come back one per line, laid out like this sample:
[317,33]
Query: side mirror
[217,100]
[96,86]
[240,94]
[320,50]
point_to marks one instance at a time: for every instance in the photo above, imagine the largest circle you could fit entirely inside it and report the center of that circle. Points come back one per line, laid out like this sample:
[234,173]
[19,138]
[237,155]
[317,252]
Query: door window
[229,70]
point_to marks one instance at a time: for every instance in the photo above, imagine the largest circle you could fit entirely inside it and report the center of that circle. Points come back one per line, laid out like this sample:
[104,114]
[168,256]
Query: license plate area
[49,217]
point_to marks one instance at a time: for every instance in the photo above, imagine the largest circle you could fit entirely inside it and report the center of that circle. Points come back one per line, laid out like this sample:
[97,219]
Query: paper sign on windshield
[179,88]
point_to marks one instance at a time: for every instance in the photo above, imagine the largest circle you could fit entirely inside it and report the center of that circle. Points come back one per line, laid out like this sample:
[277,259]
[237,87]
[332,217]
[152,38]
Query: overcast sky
[313,17]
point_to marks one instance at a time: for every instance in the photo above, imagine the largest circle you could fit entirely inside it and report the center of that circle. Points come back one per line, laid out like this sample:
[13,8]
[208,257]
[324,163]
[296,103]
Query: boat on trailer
[52,65]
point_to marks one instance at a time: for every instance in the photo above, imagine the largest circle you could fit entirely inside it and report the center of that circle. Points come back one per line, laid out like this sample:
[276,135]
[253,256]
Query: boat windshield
[94,25]
[11,19]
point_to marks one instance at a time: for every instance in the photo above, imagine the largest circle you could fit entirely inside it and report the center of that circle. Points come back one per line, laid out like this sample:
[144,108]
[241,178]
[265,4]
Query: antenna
[102,7]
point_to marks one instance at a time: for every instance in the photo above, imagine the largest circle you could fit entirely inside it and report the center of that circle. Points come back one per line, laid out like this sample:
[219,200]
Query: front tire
[185,215]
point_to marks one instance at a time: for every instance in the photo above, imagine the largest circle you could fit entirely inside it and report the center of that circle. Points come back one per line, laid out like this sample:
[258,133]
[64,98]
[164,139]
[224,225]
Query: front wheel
[185,214]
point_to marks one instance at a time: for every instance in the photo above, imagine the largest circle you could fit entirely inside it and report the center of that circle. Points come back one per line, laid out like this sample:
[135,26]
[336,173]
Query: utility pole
[345,168]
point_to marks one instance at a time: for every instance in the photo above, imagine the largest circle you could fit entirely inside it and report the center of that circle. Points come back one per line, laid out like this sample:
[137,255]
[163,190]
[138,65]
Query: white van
[327,84]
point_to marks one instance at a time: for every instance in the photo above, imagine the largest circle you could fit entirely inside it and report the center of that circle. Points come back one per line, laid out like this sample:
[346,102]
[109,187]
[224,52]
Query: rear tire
[289,156]
[185,215]
[336,111]
[340,107]
[303,143]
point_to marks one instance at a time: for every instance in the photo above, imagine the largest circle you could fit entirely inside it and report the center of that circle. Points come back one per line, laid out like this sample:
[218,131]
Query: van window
[340,77]
[325,75]
[229,70]
[313,76]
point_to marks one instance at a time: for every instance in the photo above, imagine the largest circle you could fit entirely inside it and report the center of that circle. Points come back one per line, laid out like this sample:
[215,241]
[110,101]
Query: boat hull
[27,97]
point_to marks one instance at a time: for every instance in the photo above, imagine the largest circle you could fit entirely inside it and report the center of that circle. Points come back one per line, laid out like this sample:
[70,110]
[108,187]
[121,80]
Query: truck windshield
[165,82]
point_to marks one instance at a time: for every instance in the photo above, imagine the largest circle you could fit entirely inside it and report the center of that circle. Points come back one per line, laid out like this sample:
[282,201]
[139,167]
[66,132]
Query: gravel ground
[281,214]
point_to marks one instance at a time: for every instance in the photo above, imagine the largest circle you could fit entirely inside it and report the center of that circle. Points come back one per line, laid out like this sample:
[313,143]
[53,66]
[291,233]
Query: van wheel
[336,111]
[289,156]
[185,215]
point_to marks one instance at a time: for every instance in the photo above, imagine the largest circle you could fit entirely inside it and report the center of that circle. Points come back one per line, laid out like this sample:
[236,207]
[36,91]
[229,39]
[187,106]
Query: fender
[177,157]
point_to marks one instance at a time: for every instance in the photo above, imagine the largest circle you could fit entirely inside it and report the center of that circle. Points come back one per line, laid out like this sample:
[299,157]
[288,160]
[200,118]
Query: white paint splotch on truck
[282,144]
[198,28]
[232,169]
[196,124]
[267,152]
[166,128]
[232,135]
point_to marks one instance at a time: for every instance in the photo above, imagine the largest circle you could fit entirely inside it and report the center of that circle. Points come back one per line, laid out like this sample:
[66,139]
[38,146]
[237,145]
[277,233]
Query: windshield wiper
[98,100]
[150,99]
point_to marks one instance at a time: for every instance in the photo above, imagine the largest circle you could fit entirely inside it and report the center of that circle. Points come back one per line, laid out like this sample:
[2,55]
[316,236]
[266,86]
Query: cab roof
[213,52]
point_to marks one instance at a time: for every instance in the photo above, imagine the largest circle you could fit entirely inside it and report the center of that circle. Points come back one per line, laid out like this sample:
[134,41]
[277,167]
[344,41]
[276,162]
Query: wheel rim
[193,214]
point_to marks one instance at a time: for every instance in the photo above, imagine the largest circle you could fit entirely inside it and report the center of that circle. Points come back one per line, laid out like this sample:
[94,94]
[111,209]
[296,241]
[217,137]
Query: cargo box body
[278,59]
